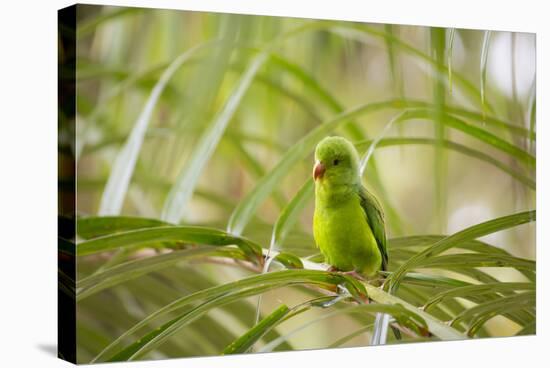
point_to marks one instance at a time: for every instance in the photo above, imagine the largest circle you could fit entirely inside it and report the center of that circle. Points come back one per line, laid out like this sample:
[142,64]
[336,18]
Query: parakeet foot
[355,274]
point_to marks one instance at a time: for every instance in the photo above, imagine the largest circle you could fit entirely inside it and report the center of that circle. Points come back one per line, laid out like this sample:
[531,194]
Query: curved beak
[318,170]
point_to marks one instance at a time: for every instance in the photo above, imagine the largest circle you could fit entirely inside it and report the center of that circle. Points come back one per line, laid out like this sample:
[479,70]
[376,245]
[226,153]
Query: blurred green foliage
[209,121]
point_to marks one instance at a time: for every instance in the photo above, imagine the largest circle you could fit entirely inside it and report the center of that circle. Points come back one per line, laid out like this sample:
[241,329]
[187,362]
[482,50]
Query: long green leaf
[160,335]
[473,131]
[435,326]
[130,270]
[429,282]
[178,198]
[437,39]
[192,234]
[282,226]
[388,142]
[470,233]
[195,279]
[460,292]
[427,240]
[254,167]
[451,261]
[125,161]
[488,120]
[273,279]
[481,313]
[289,215]
[91,227]
[450,58]
[247,340]
[404,315]
[395,69]
[432,281]
[361,32]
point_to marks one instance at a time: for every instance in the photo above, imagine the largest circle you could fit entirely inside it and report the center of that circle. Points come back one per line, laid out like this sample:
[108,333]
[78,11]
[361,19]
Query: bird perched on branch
[348,223]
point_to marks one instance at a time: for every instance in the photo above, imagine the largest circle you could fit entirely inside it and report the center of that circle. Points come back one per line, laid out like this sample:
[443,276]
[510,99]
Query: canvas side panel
[66,311]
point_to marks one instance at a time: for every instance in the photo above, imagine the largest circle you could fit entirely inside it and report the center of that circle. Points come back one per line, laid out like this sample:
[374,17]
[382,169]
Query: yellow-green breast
[344,237]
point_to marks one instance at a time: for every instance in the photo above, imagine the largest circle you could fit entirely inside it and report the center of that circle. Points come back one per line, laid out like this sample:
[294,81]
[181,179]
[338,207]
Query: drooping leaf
[243,343]
[125,161]
[470,233]
[178,197]
[91,227]
[478,315]
[481,289]
[130,270]
[521,177]
[289,260]
[188,234]
[290,213]
[404,316]
[253,284]
[474,131]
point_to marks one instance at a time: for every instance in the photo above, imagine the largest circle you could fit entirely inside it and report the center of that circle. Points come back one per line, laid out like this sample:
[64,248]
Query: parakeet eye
[336,162]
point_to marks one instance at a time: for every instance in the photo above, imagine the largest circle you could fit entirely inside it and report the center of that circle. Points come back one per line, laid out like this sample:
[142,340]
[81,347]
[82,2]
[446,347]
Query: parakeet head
[336,162]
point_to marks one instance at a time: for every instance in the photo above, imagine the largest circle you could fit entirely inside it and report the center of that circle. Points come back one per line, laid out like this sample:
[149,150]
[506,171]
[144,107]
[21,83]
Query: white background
[28,167]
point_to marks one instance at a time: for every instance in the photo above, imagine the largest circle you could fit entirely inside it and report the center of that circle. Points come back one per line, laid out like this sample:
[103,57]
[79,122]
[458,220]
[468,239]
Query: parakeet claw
[355,274]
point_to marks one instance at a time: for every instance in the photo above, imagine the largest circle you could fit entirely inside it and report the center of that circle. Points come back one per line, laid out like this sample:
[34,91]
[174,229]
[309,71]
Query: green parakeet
[348,223]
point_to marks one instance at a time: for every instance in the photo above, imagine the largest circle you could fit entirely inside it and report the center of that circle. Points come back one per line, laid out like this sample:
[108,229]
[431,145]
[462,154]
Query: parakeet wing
[375,219]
